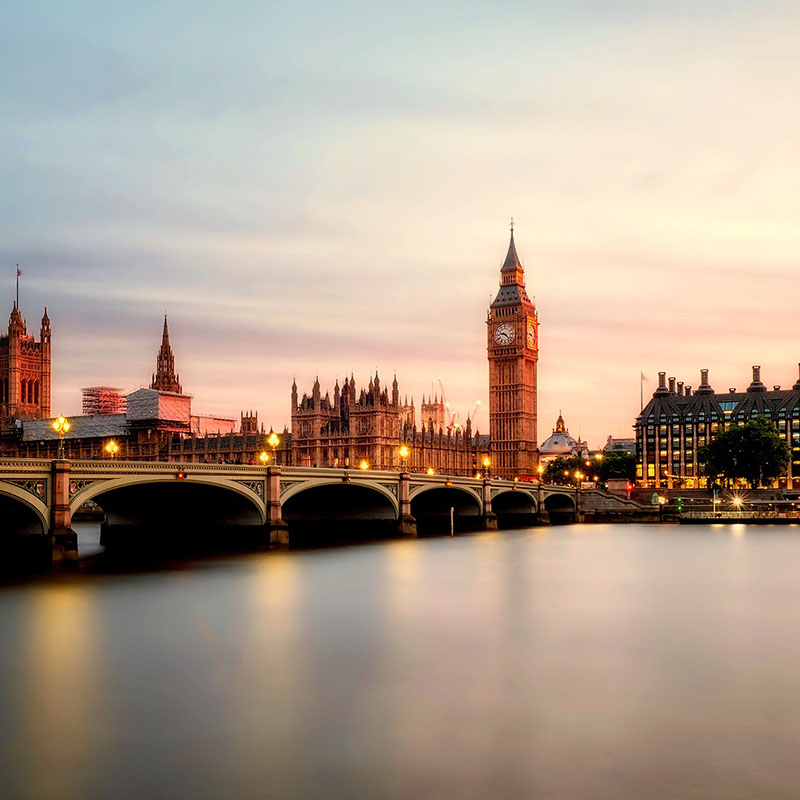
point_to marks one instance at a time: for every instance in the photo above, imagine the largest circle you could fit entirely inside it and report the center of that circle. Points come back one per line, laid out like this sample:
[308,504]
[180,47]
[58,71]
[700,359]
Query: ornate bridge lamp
[364,464]
[540,470]
[112,448]
[264,458]
[404,451]
[487,462]
[273,441]
[61,426]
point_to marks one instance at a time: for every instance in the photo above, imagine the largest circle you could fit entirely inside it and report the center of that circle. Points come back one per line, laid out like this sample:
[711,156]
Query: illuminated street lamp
[364,464]
[264,457]
[540,470]
[487,462]
[61,426]
[273,441]
[112,448]
[404,451]
[598,456]
[431,471]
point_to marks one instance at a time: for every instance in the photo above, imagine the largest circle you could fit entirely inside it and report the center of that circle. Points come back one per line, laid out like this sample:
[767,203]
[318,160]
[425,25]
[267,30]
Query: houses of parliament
[357,428]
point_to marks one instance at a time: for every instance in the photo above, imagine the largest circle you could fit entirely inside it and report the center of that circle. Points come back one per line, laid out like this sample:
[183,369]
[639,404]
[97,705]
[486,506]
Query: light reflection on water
[574,662]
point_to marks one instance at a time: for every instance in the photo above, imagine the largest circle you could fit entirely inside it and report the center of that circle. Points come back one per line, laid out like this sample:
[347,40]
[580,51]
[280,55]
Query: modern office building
[677,422]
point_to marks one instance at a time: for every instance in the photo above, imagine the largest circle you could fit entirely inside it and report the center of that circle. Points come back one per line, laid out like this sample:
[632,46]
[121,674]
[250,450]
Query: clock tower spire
[513,350]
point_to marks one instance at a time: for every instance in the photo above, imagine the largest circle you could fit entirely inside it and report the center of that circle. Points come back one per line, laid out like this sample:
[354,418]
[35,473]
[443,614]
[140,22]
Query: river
[585,661]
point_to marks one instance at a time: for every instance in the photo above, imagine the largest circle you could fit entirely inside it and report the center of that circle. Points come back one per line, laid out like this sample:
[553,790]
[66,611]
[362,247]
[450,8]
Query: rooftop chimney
[687,391]
[680,388]
[756,385]
[672,385]
[797,383]
[704,387]
[732,390]
[777,387]
[662,385]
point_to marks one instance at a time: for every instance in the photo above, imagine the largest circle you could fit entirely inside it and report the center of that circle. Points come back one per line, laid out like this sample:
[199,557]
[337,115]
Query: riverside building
[677,422]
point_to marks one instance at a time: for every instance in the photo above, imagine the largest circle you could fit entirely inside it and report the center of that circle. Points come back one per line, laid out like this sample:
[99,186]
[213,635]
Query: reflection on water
[575,662]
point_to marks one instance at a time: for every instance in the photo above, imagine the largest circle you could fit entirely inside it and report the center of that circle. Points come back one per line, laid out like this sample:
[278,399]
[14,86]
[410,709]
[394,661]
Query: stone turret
[164,378]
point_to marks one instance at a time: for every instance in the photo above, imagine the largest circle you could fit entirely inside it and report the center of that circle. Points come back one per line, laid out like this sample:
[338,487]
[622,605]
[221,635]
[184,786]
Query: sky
[325,188]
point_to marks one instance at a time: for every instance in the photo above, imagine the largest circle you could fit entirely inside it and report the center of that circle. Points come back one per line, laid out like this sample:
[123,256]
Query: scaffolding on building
[103,400]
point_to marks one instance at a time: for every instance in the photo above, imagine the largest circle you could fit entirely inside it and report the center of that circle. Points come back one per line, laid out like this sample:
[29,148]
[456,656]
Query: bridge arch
[431,504]
[95,489]
[21,512]
[560,506]
[163,512]
[429,487]
[315,483]
[514,499]
[323,510]
[515,508]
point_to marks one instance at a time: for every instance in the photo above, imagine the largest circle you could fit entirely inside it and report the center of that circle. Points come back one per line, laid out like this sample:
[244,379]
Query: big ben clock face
[504,334]
[531,335]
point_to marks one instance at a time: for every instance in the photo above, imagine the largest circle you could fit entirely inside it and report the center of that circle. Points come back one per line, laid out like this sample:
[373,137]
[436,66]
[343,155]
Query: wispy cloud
[326,189]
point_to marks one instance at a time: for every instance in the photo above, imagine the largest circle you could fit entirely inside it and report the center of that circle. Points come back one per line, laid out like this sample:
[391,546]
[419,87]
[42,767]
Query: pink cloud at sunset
[329,192]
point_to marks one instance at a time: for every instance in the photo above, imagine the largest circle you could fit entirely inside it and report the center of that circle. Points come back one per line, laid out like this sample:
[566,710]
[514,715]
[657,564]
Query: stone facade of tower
[24,372]
[513,350]
[369,426]
[433,413]
[164,378]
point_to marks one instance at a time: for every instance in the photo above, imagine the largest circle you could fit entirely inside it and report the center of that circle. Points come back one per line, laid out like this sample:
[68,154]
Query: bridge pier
[489,517]
[406,524]
[64,539]
[278,530]
[542,517]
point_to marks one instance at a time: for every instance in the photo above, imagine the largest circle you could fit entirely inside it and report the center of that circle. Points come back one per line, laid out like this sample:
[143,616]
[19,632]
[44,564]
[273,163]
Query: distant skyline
[325,189]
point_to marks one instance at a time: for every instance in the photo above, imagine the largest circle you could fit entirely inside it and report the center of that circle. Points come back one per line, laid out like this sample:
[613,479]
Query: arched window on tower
[36,392]
[23,391]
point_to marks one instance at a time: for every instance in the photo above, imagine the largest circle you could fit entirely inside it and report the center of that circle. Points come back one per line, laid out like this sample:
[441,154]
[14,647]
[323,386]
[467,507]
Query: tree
[612,465]
[554,470]
[616,465]
[753,451]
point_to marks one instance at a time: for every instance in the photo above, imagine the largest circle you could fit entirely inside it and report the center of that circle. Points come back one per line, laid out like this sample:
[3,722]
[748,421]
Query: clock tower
[513,336]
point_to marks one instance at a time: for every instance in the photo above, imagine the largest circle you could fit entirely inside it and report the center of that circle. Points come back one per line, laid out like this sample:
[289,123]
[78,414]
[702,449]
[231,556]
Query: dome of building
[560,444]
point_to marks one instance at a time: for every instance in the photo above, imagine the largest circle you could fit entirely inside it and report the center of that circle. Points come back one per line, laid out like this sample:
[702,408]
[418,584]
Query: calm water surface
[575,662]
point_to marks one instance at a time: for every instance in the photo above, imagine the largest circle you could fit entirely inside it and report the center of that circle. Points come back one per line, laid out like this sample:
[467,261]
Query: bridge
[272,505]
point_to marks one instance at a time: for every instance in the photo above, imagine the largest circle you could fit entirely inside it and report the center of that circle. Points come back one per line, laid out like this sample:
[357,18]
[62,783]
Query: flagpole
[17,285]
[641,388]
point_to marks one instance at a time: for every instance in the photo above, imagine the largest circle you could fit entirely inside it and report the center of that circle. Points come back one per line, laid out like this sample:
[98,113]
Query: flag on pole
[19,272]
[642,379]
